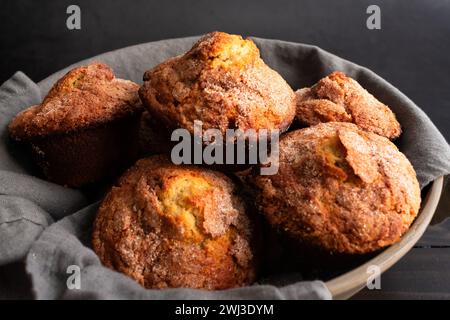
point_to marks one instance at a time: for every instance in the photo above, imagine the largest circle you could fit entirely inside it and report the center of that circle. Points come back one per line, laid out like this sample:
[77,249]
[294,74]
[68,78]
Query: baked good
[342,99]
[176,226]
[340,188]
[222,82]
[85,129]
[153,137]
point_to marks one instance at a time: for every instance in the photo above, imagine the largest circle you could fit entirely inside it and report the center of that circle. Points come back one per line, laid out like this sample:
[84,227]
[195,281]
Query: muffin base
[88,155]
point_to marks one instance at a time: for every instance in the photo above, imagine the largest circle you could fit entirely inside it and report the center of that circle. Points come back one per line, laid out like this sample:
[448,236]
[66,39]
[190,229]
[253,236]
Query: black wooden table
[410,50]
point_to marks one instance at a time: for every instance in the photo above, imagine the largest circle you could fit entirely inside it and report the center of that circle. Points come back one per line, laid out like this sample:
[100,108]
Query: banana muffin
[340,188]
[222,82]
[176,226]
[342,99]
[85,129]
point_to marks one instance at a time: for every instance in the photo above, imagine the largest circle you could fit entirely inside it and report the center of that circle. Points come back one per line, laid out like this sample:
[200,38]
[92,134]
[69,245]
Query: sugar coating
[221,81]
[340,98]
[86,96]
[340,188]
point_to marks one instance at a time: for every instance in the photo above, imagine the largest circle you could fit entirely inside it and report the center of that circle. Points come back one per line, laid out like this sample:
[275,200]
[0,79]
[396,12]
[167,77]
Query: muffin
[340,188]
[85,129]
[222,82]
[342,99]
[176,226]
[153,138]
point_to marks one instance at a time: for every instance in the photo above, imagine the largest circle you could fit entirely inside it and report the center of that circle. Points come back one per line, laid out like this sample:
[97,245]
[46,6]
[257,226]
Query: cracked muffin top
[175,226]
[84,97]
[221,81]
[342,99]
[340,188]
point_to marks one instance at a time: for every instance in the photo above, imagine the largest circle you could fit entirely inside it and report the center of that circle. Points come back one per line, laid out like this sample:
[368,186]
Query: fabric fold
[21,222]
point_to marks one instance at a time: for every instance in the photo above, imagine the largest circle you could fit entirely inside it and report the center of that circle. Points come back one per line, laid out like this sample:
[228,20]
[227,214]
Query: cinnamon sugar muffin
[340,98]
[221,81]
[341,189]
[175,226]
[85,129]
[153,138]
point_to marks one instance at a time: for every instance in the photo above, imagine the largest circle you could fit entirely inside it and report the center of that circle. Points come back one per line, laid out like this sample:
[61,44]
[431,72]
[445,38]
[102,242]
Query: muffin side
[89,155]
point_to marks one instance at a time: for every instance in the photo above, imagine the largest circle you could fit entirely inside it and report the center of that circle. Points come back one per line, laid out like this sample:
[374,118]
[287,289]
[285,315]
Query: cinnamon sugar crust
[221,81]
[341,189]
[86,96]
[342,99]
[176,226]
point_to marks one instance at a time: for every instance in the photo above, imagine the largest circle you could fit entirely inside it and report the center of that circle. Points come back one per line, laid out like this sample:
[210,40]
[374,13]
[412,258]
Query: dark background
[412,51]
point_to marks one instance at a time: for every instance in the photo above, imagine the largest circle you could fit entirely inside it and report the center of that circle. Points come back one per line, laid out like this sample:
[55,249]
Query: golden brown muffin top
[340,98]
[85,96]
[221,81]
[340,188]
[175,226]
